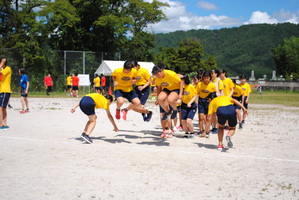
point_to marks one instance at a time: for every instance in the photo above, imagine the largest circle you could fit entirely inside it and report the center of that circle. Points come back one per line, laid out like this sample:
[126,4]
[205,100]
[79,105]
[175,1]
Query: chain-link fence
[58,63]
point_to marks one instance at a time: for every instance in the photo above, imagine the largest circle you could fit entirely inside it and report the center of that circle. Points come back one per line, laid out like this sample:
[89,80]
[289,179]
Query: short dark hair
[22,71]
[216,71]
[128,64]
[186,79]
[156,69]
[243,76]
[108,97]
[206,74]
[2,59]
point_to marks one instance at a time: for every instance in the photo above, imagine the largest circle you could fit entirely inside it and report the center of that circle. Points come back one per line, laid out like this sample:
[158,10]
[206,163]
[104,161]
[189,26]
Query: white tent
[108,66]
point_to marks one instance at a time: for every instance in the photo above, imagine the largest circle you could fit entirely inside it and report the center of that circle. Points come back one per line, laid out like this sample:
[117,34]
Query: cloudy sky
[217,14]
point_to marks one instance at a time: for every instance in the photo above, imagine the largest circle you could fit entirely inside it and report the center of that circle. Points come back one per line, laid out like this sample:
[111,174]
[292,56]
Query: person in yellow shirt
[97,84]
[188,107]
[69,85]
[169,90]
[203,89]
[247,90]
[5,91]
[124,78]
[215,73]
[238,94]
[223,106]
[228,84]
[87,105]
[142,86]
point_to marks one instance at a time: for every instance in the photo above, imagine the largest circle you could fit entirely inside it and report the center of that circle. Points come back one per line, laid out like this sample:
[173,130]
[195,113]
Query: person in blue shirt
[24,87]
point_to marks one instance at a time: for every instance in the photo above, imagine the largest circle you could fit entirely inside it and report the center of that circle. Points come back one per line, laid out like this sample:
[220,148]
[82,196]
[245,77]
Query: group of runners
[221,103]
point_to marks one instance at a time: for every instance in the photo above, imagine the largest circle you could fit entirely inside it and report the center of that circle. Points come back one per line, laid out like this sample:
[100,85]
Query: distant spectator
[48,83]
[69,85]
[103,84]
[75,84]
[24,87]
[97,84]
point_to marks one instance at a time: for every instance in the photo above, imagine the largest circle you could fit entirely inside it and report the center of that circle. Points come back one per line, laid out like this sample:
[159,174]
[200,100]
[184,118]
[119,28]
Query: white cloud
[206,5]
[259,17]
[179,19]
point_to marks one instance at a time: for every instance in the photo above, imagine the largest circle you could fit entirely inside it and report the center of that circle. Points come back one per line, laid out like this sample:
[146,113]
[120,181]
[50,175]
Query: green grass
[286,98]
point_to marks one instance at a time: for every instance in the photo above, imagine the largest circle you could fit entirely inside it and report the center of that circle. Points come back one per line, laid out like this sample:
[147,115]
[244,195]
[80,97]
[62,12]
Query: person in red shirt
[75,84]
[103,84]
[48,83]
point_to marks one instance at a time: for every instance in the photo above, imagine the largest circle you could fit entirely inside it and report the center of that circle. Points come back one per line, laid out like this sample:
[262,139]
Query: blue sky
[216,14]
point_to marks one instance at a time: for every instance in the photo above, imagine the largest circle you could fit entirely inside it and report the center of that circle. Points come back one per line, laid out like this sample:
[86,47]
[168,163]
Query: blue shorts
[188,112]
[4,98]
[238,99]
[227,113]
[143,94]
[23,92]
[128,95]
[245,104]
[170,91]
[97,88]
[87,105]
[162,110]
[203,106]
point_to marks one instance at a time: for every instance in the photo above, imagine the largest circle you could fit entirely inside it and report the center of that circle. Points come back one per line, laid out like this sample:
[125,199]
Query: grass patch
[286,98]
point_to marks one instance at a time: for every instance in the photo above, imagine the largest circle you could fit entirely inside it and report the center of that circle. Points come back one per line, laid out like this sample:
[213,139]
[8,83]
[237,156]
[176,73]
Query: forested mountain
[238,50]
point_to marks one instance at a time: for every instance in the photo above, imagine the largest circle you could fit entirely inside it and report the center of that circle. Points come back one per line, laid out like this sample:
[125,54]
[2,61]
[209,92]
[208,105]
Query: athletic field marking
[167,150]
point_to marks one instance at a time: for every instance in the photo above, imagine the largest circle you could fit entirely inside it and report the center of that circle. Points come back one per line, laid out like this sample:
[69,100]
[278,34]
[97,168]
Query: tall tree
[286,57]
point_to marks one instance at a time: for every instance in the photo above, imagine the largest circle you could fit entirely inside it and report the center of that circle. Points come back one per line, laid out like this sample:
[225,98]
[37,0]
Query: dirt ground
[43,157]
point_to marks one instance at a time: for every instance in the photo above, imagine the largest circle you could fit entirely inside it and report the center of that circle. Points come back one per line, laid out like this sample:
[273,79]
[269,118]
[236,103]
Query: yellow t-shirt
[99,100]
[6,80]
[237,91]
[142,76]
[219,85]
[171,81]
[227,84]
[153,81]
[246,89]
[204,90]
[69,80]
[219,102]
[97,82]
[124,79]
[189,93]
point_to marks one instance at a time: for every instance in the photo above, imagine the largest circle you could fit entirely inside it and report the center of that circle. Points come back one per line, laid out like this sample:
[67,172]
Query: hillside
[239,50]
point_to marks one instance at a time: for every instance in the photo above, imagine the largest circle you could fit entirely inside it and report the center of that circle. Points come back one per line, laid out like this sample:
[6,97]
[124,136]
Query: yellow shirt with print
[99,100]
[237,91]
[219,102]
[189,93]
[227,84]
[124,79]
[204,90]
[246,89]
[69,80]
[153,81]
[97,82]
[6,80]
[170,81]
[142,76]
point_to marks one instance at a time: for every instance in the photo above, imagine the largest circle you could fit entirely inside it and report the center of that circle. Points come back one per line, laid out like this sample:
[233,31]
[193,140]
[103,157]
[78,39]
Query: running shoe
[240,126]
[191,136]
[149,116]
[4,128]
[179,127]
[243,121]
[117,115]
[174,114]
[168,135]
[229,142]
[162,135]
[124,112]
[144,116]
[220,147]
[215,131]
[86,138]
[186,135]
[208,134]
[200,132]
[22,112]
[165,116]
[27,111]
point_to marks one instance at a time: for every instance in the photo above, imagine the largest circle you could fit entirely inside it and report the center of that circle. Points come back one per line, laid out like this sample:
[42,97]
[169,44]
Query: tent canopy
[108,66]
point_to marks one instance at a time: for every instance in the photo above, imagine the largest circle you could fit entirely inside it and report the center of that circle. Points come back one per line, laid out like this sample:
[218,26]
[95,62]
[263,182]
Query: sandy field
[43,157]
